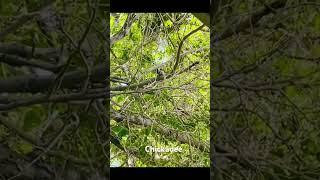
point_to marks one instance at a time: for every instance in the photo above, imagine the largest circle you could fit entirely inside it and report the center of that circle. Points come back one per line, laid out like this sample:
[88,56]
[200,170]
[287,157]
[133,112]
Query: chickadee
[160,73]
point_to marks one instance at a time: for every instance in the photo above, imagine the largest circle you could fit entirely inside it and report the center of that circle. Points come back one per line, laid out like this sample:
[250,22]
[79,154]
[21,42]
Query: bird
[160,73]
[49,21]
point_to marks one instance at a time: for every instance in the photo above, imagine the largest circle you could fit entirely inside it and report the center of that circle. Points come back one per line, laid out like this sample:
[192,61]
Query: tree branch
[182,137]
[18,61]
[28,51]
[55,98]
[149,81]
[124,30]
[253,19]
[35,83]
[180,47]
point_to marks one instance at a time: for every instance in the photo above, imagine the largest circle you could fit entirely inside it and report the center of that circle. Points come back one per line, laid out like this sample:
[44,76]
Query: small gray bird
[160,73]
[49,20]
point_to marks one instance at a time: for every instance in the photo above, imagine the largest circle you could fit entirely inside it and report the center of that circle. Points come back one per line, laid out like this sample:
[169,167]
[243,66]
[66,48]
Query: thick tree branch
[28,51]
[92,94]
[178,58]
[171,133]
[35,83]
[149,81]
[18,61]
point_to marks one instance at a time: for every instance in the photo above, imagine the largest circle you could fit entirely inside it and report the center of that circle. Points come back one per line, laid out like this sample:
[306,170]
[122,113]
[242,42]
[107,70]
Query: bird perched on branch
[160,73]
[49,21]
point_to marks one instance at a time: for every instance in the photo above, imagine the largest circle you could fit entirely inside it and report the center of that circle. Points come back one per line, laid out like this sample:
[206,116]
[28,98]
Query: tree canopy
[53,89]
[265,82]
[160,89]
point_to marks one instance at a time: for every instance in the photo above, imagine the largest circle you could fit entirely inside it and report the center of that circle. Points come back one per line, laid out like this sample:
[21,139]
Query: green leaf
[120,131]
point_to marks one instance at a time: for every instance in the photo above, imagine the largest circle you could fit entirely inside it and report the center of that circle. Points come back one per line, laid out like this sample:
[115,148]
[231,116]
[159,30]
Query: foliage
[266,86]
[178,101]
[53,89]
